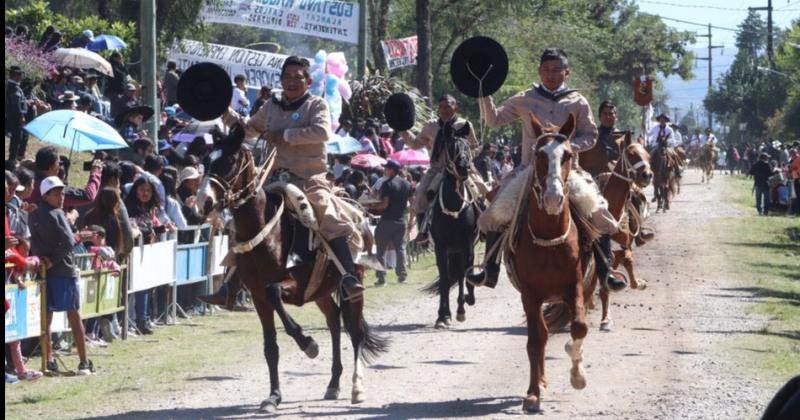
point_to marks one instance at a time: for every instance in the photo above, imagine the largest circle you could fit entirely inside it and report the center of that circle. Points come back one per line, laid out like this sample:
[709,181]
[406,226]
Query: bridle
[234,199]
[538,194]
[629,170]
[461,189]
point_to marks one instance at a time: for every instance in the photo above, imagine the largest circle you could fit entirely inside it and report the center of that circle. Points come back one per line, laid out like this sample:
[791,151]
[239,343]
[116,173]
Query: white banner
[400,52]
[336,20]
[152,265]
[261,68]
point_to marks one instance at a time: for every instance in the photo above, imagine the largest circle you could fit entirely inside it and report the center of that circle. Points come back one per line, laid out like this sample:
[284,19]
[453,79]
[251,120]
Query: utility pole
[769,30]
[362,38]
[710,76]
[147,29]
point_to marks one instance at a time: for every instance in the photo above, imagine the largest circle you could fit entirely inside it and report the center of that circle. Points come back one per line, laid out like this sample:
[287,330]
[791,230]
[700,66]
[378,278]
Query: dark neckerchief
[553,96]
[446,133]
[291,106]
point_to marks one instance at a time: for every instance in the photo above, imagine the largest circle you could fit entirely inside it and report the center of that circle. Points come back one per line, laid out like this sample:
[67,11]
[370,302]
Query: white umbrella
[82,58]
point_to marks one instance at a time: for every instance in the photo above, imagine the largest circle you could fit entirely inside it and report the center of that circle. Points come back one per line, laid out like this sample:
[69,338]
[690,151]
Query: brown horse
[546,262]
[633,166]
[232,182]
[665,167]
[706,159]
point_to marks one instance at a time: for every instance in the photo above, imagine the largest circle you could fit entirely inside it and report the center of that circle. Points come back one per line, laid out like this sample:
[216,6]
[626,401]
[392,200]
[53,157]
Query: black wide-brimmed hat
[400,112]
[479,66]
[662,116]
[145,111]
[205,91]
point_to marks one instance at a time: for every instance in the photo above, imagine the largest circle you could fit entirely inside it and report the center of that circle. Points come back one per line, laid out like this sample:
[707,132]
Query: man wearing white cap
[52,241]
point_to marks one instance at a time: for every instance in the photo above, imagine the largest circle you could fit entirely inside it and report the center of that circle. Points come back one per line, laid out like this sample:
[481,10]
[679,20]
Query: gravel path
[664,359]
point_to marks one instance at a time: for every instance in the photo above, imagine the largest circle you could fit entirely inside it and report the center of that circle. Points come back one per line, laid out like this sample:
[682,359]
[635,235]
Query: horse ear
[537,126]
[569,126]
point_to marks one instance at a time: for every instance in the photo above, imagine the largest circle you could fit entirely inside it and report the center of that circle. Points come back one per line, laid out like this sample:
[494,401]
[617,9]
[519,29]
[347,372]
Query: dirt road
[664,359]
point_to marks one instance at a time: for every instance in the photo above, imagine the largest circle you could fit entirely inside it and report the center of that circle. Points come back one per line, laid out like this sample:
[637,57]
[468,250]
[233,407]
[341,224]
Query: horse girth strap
[252,243]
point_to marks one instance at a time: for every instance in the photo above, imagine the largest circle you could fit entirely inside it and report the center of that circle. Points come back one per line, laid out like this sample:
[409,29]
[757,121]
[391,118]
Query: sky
[720,13]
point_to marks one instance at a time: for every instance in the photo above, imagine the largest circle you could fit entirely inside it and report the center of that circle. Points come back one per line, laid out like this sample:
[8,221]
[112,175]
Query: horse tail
[557,317]
[432,288]
[373,344]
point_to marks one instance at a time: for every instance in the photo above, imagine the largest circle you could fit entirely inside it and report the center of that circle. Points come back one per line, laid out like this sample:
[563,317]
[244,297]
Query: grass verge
[764,252]
[140,373]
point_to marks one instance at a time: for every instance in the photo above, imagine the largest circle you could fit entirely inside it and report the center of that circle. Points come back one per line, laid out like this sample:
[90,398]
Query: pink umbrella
[367,161]
[410,157]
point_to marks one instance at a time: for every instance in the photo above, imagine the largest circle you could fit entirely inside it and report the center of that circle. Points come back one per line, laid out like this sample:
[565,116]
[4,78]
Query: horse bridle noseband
[460,185]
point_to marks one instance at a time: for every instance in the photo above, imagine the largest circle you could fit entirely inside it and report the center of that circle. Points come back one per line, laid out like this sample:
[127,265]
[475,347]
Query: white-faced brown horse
[547,263]
[632,167]
[231,181]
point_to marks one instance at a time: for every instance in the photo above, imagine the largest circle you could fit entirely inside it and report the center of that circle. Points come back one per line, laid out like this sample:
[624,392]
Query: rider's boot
[602,254]
[488,276]
[350,284]
[225,296]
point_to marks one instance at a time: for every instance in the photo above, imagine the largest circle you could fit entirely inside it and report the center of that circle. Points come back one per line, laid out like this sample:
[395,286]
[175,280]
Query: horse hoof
[269,406]
[357,397]
[312,349]
[332,394]
[577,379]
[531,405]
[461,317]
[640,285]
[607,326]
[441,324]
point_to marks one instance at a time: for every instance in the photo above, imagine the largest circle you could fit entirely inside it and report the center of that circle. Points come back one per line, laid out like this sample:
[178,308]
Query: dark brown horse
[231,181]
[665,167]
[633,167]
[546,262]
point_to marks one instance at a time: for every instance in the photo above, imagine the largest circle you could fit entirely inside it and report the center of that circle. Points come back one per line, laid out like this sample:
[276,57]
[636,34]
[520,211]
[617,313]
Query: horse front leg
[537,341]
[306,343]
[606,324]
[461,313]
[578,331]
[353,319]
[271,351]
[444,315]
[332,318]
[627,262]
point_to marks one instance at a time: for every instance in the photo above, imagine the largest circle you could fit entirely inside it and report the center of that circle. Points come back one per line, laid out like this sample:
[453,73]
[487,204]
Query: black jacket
[761,173]
[16,106]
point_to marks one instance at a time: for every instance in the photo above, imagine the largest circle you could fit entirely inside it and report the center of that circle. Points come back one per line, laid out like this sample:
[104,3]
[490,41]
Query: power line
[692,6]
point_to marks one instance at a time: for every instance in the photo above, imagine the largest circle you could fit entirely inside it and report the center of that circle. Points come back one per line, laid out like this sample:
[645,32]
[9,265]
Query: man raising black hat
[552,103]
[434,136]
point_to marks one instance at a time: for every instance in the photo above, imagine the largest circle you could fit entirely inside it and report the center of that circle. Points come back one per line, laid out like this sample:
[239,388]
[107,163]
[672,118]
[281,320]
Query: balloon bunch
[327,80]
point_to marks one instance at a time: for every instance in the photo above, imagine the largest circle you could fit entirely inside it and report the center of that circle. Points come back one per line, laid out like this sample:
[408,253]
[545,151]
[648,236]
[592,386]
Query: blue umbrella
[106,42]
[339,145]
[74,130]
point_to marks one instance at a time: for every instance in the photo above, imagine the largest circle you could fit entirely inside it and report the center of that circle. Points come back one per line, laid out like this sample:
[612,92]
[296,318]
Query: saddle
[309,246]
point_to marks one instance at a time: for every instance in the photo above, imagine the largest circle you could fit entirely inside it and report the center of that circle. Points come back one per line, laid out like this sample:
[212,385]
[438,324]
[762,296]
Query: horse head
[552,162]
[229,176]
[459,158]
[636,161]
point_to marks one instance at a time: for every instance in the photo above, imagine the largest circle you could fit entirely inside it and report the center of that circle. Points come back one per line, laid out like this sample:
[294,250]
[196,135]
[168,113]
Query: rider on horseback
[434,139]
[606,133]
[664,138]
[298,125]
[552,103]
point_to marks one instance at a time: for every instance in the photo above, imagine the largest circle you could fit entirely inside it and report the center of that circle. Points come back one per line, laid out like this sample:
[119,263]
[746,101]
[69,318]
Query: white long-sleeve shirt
[239,101]
[655,132]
